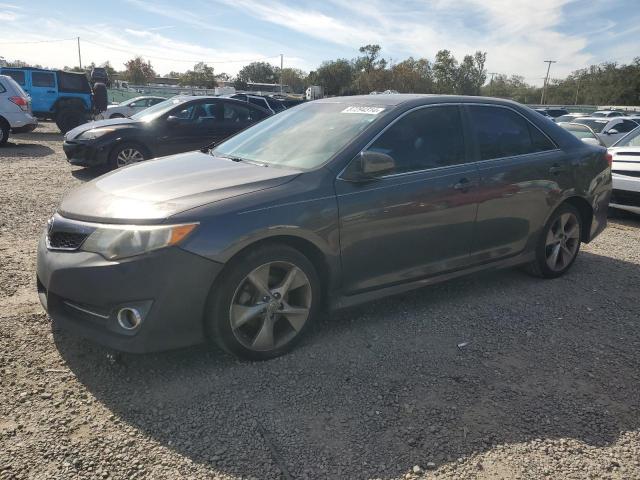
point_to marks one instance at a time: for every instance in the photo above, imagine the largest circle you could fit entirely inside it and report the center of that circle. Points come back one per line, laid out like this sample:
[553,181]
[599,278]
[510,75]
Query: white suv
[15,109]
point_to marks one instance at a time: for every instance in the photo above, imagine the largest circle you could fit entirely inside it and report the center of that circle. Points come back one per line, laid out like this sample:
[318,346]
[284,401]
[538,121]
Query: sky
[518,35]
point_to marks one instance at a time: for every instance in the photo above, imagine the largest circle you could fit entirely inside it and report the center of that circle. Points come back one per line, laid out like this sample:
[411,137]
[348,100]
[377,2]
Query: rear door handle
[51,91]
[557,169]
[463,185]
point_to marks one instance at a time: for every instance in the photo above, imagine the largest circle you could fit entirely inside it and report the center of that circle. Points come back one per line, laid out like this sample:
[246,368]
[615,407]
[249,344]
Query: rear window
[17,75]
[501,132]
[2,89]
[73,83]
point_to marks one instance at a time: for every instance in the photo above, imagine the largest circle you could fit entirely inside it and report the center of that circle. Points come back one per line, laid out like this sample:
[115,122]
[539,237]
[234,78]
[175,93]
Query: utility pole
[546,80]
[79,56]
[491,82]
[281,66]
[577,90]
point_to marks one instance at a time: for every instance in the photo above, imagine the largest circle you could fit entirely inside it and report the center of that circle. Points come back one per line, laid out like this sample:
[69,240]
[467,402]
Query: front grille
[65,240]
[625,197]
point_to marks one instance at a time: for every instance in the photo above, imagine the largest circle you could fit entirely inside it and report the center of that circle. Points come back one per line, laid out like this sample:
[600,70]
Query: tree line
[608,83]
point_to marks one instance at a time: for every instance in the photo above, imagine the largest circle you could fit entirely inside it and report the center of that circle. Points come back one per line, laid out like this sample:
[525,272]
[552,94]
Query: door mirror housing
[611,131]
[172,119]
[368,166]
[592,141]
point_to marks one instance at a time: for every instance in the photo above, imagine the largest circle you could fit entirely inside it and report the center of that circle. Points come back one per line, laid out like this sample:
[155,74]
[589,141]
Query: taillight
[20,101]
[609,158]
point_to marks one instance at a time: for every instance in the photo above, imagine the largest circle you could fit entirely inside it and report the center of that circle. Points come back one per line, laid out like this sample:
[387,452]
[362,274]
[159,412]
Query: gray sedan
[325,205]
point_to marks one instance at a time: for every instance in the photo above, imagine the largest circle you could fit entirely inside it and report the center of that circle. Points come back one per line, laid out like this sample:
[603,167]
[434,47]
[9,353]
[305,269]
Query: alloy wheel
[563,240]
[127,156]
[270,306]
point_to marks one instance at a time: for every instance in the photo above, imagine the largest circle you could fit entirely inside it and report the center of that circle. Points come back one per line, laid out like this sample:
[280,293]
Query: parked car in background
[331,203]
[583,132]
[15,109]
[130,107]
[65,97]
[570,117]
[610,130]
[552,112]
[608,113]
[179,124]
[626,173]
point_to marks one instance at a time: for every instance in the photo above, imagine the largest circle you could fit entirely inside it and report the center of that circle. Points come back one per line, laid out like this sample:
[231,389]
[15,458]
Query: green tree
[139,72]
[445,72]
[471,74]
[201,76]
[412,76]
[258,72]
[335,76]
[294,78]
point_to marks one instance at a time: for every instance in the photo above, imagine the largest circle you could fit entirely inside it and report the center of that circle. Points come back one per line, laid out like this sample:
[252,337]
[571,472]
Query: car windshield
[632,139]
[303,137]
[595,125]
[158,109]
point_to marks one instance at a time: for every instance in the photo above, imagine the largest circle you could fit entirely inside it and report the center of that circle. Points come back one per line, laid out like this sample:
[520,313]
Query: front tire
[4,133]
[559,243]
[126,154]
[263,303]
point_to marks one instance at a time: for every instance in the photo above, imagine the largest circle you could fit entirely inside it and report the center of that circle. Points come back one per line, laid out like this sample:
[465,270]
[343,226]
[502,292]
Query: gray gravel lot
[547,386]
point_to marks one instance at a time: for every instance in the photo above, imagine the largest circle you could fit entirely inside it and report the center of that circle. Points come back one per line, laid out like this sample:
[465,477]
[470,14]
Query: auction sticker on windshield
[366,110]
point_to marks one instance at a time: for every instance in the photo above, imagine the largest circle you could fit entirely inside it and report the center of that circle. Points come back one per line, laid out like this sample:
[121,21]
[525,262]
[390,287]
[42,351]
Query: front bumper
[85,154]
[626,193]
[82,292]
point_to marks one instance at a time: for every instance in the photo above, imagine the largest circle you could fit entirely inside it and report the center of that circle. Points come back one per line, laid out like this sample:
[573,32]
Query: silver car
[15,109]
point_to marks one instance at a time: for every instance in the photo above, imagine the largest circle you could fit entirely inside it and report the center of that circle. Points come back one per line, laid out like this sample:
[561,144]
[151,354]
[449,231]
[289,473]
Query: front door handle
[463,185]
[557,169]
[51,91]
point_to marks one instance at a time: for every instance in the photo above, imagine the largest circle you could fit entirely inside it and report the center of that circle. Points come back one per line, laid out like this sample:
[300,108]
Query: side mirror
[172,119]
[611,131]
[369,165]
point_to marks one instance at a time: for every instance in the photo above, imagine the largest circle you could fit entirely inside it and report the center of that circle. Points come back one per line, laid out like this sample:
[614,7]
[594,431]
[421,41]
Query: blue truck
[64,97]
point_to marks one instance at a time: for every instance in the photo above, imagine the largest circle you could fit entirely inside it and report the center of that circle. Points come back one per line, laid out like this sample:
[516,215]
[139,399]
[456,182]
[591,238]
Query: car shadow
[87,174]
[427,376]
[18,150]
[40,136]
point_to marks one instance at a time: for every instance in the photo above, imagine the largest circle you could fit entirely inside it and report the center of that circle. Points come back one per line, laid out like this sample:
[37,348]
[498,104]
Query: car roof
[398,99]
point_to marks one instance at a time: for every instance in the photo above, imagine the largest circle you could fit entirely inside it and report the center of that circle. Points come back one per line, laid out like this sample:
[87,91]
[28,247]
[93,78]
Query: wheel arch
[121,141]
[4,121]
[586,215]
[68,102]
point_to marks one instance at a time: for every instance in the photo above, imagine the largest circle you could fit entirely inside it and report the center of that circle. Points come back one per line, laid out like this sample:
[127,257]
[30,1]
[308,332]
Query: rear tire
[69,118]
[559,243]
[4,132]
[263,303]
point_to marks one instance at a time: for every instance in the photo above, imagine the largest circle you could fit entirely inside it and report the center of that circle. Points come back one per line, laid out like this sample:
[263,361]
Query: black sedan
[327,204]
[176,125]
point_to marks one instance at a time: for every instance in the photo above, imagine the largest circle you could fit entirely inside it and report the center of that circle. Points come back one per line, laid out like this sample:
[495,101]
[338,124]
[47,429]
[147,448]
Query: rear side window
[241,113]
[625,126]
[501,132]
[73,83]
[42,79]
[426,138]
[17,75]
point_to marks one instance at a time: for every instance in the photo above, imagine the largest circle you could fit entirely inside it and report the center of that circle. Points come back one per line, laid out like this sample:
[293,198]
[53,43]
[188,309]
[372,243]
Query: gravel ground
[547,385]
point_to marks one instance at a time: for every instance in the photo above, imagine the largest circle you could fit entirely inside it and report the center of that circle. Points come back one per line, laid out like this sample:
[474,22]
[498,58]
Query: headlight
[120,241]
[94,133]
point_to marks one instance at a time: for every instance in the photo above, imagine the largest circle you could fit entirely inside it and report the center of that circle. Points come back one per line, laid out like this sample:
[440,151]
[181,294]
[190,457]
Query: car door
[43,89]
[189,126]
[237,117]
[522,173]
[417,220]
[616,129]
[137,106]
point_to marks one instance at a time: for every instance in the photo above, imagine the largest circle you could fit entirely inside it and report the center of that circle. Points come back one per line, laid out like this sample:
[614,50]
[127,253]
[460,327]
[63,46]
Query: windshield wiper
[239,159]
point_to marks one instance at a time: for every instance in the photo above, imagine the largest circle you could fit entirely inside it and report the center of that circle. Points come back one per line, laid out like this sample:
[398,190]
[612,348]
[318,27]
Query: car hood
[154,190]
[113,122]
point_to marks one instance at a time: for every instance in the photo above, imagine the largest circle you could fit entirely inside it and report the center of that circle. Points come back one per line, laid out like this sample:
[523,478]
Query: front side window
[234,113]
[501,132]
[42,79]
[426,138]
[198,113]
[625,126]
